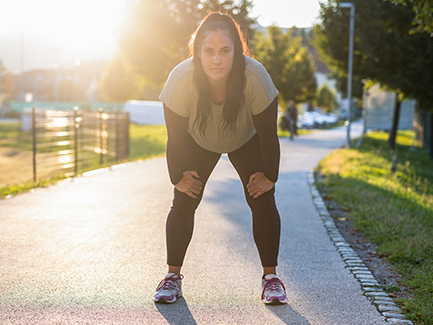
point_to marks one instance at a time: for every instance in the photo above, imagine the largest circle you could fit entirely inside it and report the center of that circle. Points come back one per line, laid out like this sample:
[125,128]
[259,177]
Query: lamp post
[1,76]
[21,66]
[349,76]
[56,85]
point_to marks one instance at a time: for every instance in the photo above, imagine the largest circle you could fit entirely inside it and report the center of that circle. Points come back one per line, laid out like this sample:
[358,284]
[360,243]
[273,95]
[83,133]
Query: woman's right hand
[189,184]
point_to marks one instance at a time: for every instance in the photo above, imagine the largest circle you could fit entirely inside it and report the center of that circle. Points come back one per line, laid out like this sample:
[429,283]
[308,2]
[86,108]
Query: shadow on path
[288,315]
[177,314]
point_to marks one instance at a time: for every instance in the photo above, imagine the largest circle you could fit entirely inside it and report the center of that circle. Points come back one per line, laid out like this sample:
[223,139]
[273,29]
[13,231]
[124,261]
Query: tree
[289,64]
[383,49]
[155,34]
[119,83]
[423,9]
[326,98]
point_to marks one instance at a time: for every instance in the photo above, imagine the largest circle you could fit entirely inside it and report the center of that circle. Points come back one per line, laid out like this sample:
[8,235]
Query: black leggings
[247,160]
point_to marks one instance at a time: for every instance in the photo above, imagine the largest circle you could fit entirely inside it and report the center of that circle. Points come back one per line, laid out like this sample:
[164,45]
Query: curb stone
[384,304]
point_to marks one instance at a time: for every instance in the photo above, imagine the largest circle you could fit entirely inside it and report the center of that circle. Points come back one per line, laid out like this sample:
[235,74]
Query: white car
[332,118]
[319,121]
[305,122]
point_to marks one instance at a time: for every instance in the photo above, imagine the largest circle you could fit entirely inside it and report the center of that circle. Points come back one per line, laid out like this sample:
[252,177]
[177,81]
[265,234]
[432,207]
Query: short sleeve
[260,87]
[177,92]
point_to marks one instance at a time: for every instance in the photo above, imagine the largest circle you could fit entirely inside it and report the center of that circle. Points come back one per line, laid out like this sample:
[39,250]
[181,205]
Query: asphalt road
[92,250]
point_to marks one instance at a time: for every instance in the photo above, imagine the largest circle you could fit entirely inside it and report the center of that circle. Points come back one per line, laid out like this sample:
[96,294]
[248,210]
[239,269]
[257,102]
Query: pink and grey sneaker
[169,289]
[274,292]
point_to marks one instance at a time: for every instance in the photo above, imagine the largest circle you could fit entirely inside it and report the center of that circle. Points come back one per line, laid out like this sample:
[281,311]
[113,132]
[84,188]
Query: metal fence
[67,142]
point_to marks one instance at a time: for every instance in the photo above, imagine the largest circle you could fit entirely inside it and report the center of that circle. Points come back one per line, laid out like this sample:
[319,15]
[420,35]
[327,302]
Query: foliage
[383,49]
[394,210]
[289,64]
[326,99]
[119,82]
[155,33]
[341,85]
[423,9]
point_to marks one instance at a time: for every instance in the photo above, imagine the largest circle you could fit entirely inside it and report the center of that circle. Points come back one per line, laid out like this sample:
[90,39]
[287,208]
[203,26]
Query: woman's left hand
[259,184]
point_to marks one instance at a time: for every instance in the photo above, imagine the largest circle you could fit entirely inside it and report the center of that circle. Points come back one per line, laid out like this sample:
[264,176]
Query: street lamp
[22,66]
[349,76]
[1,76]
[56,85]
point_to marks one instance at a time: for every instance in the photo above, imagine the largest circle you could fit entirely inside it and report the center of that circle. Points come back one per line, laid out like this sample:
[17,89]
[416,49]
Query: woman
[221,101]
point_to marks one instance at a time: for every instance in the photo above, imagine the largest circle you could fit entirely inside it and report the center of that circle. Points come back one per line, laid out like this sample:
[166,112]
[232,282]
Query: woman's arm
[177,130]
[266,126]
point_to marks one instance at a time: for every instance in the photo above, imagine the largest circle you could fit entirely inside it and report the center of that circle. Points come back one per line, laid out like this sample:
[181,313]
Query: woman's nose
[217,59]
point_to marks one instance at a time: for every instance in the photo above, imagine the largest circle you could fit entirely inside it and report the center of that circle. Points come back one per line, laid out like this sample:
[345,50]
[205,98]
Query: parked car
[333,118]
[319,121]
[305,122]
[328,119]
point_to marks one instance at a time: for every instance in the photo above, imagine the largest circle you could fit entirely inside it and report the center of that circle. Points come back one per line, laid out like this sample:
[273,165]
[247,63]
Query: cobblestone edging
[370,286]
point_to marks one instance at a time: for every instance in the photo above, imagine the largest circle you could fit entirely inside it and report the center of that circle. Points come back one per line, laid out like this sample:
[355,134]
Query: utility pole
[350,63]
[1,76]
[22,66]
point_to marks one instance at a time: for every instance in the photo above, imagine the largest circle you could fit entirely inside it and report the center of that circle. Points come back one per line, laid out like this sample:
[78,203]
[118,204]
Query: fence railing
[72,141]
[66,142]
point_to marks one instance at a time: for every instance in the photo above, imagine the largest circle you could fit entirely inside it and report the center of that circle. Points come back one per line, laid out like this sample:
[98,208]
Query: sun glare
[74,21]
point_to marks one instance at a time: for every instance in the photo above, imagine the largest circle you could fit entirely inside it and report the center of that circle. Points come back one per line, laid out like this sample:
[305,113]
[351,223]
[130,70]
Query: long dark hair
[236,81]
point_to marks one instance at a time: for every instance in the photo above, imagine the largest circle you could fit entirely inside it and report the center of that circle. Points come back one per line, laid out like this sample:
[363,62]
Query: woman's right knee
[183,203]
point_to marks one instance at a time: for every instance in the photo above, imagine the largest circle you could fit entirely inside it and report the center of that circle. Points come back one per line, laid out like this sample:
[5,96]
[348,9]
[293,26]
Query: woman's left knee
[264,202]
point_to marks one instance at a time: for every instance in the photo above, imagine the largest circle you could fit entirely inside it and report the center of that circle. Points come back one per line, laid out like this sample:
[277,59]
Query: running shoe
[274,292]
[169,289]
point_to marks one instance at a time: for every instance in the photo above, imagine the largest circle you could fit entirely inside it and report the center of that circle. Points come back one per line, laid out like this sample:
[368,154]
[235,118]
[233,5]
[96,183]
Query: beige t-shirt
[181,96]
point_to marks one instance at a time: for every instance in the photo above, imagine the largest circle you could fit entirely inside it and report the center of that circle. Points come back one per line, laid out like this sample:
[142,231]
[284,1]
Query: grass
[11,190]
[147,141]
[286,133]
[336,125]
[9,130]
[12,136]
[393,210]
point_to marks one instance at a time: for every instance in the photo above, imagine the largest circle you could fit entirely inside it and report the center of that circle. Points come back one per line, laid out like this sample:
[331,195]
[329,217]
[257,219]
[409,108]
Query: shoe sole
[164,301]
[276,301]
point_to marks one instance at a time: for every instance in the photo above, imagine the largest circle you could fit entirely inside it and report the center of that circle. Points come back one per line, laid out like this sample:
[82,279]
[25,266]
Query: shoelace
[273,284]
[167,283]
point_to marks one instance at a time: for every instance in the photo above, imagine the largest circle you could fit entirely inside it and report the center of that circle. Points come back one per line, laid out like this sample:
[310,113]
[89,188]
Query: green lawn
[147,141]
[394,210]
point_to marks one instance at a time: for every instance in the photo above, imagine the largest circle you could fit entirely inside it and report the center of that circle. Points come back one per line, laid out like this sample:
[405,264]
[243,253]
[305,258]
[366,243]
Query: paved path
[92,250]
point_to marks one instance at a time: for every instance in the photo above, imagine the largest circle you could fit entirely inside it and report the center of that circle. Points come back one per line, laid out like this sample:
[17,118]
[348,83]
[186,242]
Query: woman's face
[216,53]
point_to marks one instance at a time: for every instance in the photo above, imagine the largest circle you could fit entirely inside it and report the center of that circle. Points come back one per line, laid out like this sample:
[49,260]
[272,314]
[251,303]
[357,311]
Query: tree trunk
[431,133]
[393,132]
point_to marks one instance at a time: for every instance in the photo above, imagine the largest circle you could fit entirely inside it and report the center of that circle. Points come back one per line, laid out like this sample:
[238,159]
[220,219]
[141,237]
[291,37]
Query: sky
[87,30]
